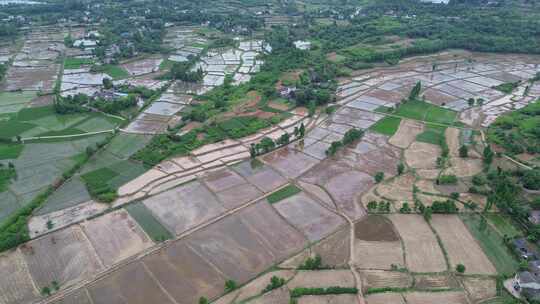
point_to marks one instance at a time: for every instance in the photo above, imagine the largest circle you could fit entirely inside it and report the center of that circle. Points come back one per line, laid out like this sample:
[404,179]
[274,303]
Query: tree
[230,285]
[302,130]
[275,282]
[107,83]
[460,268]
[379,176]
[405,208]
[46,291]
[470,101]
[482,226]
[427,213]
[463,151]
[283,139]
[400,168]
[415,92]
[267,144]
[312,107]
[454,195]
[372,206]
[252,151]
[488,155]
[203,300]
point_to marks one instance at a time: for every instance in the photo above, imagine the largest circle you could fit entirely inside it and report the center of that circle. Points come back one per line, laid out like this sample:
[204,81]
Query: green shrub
[302,291]
[449,179]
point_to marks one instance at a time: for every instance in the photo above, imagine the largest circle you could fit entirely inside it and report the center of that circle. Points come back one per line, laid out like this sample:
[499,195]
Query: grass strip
[282,194]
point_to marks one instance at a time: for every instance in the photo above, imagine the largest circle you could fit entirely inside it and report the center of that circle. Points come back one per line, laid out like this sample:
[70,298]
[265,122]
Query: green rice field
[148,222]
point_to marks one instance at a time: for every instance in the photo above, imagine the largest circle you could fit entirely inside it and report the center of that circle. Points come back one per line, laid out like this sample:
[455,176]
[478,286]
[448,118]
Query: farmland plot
[461,245]
[233,248]
[116,236]
[184,207]
[64,256]
[15,283]
[309,217]
[184,273]
[131,284]
[422,251]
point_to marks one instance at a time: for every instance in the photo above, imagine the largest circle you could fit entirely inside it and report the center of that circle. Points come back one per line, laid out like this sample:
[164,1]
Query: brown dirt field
[234,248]
[385,298]
[378,255]
[426,186]
[276,296]
[382,278]
[237,196]
[328,299]
[406,133]
[274,232]
[297,260]
[322,278]
[15,283]
[398,189]
[116,236]
[422,155]
[480,288]
[342,182]
[460,245]
[64,256]
[290,162]
[422,251]
[370,196]
[375,228]
[425,281]
[335,249]
[260,175]
[184,207]
[315,221]
[78,297]
[464,167]
[390,96]
[437,97]
[452,140]
[428,173]
[446,297]
[184,274]
[257,286]
[131,284]
[223,179]
[319,193]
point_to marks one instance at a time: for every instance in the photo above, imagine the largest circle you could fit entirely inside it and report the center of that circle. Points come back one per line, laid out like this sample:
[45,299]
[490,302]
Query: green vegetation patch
[10,98]
[387,126]
[503,225]
[507,88]
[433,134]
[116,72]
[155,230]
[282,194]
[517,131]
[420,110]
[10,151]
[6,174]
[492,244]
[30,114]
[97,183]
[11,128]
[76,63]
[64,132]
